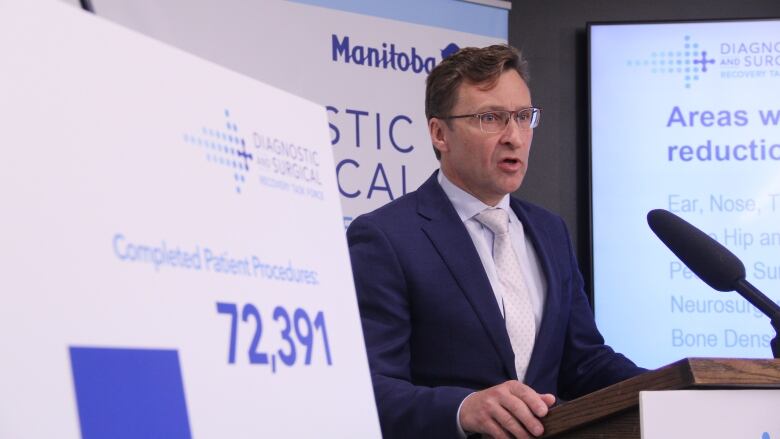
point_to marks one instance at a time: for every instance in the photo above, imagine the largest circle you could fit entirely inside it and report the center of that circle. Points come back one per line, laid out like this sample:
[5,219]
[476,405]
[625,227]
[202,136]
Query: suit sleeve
[405,410]
[588,364]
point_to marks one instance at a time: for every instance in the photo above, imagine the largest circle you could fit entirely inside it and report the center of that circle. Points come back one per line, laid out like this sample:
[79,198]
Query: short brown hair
[472,64]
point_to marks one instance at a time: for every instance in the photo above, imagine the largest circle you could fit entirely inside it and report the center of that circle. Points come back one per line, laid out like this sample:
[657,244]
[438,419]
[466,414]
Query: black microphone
[712,262]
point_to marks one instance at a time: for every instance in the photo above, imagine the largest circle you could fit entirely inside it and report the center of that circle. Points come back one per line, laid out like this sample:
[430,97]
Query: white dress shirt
[467,206]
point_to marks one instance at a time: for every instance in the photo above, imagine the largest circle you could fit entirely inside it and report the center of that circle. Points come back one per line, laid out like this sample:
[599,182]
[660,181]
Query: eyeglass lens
[495,121]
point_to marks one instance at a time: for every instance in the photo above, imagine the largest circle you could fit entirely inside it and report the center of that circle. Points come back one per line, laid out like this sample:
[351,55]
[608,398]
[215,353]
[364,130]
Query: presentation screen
[684,117]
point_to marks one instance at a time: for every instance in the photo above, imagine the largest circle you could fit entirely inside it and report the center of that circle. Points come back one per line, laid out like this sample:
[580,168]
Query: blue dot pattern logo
[765,435]
[223,146]
[687,62]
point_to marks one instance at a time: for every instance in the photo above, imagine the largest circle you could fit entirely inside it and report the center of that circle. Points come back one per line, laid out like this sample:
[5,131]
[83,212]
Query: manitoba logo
[449,50]
[686,63]
[386,56]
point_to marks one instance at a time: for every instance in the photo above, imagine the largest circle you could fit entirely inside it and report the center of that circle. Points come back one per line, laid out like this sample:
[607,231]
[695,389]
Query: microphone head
[706,257]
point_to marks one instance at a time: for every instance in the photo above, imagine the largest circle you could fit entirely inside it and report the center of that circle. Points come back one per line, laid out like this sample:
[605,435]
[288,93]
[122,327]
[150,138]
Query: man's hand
[504,411]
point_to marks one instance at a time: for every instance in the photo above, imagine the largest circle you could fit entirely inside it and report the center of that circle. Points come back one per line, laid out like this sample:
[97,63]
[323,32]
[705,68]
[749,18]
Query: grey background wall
[552,35]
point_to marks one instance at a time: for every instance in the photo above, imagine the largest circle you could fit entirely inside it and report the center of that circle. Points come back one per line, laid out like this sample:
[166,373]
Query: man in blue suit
[473,327]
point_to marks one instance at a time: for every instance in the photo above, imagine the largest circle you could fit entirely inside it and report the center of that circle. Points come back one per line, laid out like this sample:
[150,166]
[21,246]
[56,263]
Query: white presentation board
[685,117]
[711,414]
[173,254]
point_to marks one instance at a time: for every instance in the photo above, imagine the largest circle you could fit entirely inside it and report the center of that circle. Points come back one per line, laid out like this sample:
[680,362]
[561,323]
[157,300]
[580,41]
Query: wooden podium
[613,412]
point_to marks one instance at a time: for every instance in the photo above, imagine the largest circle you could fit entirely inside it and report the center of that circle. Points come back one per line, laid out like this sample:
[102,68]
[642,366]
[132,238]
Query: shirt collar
[467,205]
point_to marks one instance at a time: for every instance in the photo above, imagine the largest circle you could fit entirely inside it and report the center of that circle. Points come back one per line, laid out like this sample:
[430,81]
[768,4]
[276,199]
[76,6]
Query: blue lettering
[336,135]
[675,117]
[770,117]
[357,114]
[380,170]
[384,57]
[340,48]
[403,61]
[392,131]
[117,239]
[358,57]
[338,178]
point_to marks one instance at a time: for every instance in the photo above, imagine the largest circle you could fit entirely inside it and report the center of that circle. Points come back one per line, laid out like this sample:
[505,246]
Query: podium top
[689,373]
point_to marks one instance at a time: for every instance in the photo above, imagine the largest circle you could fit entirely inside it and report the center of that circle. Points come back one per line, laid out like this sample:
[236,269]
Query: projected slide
[684,117]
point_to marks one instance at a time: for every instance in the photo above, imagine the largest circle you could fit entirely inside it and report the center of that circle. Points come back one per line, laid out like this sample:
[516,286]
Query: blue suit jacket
[433,329]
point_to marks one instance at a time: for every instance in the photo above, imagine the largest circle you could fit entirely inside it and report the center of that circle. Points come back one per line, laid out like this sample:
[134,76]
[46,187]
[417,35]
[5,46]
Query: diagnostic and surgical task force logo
[267,160]
[750,59]
[686,63]
[690,62]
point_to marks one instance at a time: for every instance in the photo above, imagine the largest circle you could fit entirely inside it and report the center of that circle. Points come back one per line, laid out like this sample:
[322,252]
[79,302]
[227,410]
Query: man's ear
[439,132]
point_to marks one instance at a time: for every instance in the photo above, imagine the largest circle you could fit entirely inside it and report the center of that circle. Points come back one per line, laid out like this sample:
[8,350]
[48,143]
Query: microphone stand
[765,305]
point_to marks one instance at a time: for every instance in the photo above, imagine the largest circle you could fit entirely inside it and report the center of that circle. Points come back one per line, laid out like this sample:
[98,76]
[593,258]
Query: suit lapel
[451,239]
[548,328]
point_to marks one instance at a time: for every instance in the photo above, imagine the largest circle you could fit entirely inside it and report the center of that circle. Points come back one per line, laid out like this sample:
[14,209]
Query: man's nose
[514,135]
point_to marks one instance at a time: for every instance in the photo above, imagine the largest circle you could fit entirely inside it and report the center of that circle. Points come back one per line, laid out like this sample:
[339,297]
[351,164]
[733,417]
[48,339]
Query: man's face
[487,166]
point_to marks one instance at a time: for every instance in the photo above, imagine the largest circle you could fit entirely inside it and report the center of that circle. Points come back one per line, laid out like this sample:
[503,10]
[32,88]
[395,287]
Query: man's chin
[512,185]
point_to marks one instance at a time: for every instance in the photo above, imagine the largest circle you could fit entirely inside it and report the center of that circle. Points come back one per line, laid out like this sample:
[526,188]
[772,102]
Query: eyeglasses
[495,121]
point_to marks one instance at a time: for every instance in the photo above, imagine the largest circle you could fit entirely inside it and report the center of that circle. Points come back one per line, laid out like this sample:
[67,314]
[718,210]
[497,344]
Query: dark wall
[552,36]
